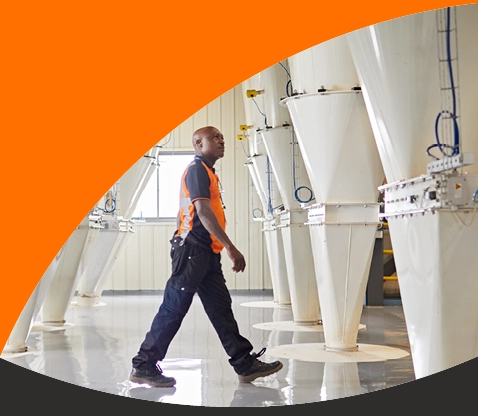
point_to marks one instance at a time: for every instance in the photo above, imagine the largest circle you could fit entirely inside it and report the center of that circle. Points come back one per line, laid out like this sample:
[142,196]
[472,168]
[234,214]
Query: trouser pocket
[189,265]
[176,252]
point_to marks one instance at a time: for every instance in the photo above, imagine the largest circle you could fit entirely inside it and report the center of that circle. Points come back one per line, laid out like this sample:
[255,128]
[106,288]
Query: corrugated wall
[144,263]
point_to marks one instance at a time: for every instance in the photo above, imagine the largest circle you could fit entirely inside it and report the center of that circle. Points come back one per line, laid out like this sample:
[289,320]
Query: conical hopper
[280,290]
[437,267]
[16,342]
[126,232]
[264,184]
[102,258]
[274,82]
[344,254]
[275,250]
[66,278]
[344,169]
[397,64]
[118,227]
[259,211]
[266,181]
[286,162]
[290,174]
[401,64]
[262,178]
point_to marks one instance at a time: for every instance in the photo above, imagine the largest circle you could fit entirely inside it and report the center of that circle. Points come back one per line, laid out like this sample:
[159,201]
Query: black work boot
[259,369]
[153,376]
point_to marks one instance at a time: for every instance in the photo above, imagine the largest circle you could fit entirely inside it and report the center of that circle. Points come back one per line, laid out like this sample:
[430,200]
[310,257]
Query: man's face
[212,144]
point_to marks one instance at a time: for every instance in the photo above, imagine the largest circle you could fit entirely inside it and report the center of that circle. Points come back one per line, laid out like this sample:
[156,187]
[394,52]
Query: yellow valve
[240,137]
[244,127]
[252,93]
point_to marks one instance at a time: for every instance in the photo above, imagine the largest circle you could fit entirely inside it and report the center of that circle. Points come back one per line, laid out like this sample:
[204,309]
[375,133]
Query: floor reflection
[96,353]
[149,393]
[250,395]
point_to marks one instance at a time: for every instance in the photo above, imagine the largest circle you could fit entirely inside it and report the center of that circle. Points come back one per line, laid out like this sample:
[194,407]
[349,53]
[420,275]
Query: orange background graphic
[89,87]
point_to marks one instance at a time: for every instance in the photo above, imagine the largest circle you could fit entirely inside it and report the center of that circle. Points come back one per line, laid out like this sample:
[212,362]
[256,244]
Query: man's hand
[210,222]
[238,260]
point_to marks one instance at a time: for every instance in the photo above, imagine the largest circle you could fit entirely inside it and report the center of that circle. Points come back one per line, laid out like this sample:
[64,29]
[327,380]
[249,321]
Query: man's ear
[199,142]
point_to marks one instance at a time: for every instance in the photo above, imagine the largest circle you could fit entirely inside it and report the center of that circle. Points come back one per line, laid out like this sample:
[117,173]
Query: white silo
[89,262]
[264,182]
[291,177]
[63,285]
[334,133]
[118,227]
[418,74]
[16,342]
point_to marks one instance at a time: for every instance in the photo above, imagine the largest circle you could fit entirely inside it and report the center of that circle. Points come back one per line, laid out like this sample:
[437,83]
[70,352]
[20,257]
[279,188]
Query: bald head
[199,134]
[208,142]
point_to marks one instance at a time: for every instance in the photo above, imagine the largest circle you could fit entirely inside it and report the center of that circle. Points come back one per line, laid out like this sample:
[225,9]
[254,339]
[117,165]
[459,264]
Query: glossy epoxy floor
[95,348]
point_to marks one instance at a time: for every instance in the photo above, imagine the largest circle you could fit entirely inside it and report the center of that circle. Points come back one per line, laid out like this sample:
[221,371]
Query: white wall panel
[146,256]
[200,119]
[228,177]
[145,263]
[214,112]
[133,263]
[184,134]
[162,259]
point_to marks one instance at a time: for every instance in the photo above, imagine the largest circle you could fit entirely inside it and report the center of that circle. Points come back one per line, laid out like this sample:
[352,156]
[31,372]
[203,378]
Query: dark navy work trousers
[194,270]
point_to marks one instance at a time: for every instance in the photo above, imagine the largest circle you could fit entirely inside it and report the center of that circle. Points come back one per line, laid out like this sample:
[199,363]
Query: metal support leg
[374,292]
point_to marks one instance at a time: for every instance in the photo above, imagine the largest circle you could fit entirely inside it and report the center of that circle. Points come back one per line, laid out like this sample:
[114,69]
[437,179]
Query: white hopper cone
[295,235]
[344,168]
[289,171]
[435,253]
[16,342]
[65,281]
[264,181]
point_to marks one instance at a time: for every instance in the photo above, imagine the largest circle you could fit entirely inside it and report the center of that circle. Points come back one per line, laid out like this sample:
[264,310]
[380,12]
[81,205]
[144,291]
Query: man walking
[196,268]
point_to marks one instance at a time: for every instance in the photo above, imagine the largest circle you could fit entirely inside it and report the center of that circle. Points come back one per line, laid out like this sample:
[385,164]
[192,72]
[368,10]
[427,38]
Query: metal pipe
[388,278]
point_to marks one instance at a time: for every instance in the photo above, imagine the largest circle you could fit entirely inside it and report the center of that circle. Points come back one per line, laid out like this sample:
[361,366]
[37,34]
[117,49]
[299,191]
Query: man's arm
[211,224]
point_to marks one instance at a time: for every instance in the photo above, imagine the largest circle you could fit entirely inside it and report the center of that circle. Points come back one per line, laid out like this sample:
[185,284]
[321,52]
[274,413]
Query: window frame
[158,218]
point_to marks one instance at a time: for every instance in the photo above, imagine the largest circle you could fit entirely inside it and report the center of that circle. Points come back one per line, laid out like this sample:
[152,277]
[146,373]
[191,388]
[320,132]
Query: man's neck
[209,161]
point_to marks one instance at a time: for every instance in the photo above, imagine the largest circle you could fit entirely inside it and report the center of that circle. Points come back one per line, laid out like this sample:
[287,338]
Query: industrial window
[159,200]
